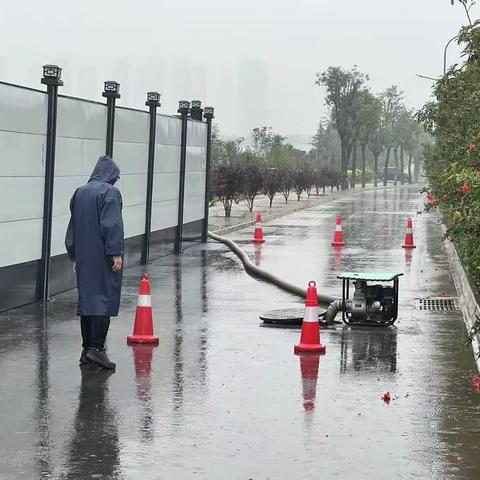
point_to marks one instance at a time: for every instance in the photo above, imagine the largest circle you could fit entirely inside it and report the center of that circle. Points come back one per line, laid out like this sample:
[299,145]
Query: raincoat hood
[105,170]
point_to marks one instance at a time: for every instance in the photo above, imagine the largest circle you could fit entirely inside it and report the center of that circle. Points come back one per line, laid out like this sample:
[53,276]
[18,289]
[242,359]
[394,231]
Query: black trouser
[94,331]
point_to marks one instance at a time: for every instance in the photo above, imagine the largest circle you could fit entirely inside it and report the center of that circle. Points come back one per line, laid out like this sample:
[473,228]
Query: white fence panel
[22,159]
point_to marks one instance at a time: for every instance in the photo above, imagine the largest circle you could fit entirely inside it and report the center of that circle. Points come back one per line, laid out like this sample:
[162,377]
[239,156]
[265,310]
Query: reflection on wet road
[222,398]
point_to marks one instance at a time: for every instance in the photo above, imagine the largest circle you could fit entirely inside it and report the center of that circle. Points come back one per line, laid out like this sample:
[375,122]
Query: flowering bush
[453,162]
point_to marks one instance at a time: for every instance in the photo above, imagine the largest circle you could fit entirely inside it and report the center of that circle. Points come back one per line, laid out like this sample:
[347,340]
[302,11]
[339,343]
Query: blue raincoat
[94,235]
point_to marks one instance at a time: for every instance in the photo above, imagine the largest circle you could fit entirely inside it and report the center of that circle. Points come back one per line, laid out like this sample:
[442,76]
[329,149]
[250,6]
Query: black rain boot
[100,358]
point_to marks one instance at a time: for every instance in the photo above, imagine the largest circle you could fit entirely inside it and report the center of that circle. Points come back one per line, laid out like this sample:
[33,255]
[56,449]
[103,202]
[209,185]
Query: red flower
[434,202]
[445,198]
[466,188]
[471,148]
[429,196]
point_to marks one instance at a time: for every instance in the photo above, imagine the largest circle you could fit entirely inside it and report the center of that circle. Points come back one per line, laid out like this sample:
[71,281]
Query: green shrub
[452,163]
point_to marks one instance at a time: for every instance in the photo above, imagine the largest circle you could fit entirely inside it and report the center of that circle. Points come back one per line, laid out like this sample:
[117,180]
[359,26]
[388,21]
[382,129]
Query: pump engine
[370,304]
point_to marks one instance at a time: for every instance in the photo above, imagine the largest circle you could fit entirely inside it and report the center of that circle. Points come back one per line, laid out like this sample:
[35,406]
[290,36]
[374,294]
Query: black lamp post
[208,113]
[153,102]
[111,91]
[196,111]
[183,110]
[52,78]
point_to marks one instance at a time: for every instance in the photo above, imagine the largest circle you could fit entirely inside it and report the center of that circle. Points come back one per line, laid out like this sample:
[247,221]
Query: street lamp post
[183,110]
[153,102]
[52,78]
[111,91]
[445,53]
[208,113]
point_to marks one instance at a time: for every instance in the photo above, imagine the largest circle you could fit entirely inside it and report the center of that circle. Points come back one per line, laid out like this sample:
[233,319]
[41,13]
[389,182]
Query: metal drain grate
[436,303]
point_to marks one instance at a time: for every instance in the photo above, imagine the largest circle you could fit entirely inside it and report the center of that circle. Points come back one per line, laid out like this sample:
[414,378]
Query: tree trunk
[354,166]
[416,170]
[375,169]
[395,155]
[410,168]
[387,159]
[343,165]
[402,166]
[227,206]
[364,161]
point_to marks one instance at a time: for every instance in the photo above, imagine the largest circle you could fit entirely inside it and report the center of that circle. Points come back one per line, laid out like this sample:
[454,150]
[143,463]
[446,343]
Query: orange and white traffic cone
[143,328]
[409,235]
[309,369]
[310,337]
[258,235]
[338,236]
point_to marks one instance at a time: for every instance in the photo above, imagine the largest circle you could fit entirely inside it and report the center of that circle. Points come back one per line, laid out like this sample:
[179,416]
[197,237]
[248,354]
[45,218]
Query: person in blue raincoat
[94,242]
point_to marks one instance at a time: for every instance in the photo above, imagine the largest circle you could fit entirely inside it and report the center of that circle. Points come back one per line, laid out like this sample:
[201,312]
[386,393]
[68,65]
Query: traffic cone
[338,236]
[409,235]
[310,337]
[258,235]
[309,369]
[143,328]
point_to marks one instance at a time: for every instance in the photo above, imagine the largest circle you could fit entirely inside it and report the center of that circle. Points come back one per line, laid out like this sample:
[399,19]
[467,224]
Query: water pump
[375,304]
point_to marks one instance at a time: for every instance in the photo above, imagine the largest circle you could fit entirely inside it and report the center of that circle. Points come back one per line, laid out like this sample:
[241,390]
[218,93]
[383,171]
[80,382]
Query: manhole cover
[287,317]
[436,303]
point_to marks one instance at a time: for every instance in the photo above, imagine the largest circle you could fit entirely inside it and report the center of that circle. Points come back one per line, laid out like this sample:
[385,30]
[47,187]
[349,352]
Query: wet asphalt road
[222,398]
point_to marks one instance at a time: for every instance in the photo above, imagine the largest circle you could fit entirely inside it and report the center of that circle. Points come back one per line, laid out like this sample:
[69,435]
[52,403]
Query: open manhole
[436,303]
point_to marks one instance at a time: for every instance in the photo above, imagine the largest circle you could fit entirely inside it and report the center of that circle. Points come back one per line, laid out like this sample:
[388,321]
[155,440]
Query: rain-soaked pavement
[222,398]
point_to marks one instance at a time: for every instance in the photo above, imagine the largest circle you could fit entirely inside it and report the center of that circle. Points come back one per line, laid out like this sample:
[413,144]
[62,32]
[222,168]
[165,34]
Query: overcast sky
[253,60]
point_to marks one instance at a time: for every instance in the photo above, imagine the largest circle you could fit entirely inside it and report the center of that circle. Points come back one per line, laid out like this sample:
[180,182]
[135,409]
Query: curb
[267,218]
[468,295]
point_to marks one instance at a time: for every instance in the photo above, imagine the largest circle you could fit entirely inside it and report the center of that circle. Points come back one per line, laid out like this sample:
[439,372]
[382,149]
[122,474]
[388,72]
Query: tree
[287,182]
[467,5]
[392,106]
[368,120]
[252,178]
[326,147]
[320,179]
[226,174]
[264,141]
[376,137]
[272,182]
[227,184]
[225,152]
[303,180]
[405,133]
[343,88]
[452,162]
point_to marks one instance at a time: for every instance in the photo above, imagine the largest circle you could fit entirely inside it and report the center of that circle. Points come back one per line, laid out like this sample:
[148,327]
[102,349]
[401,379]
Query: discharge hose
[256,272]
